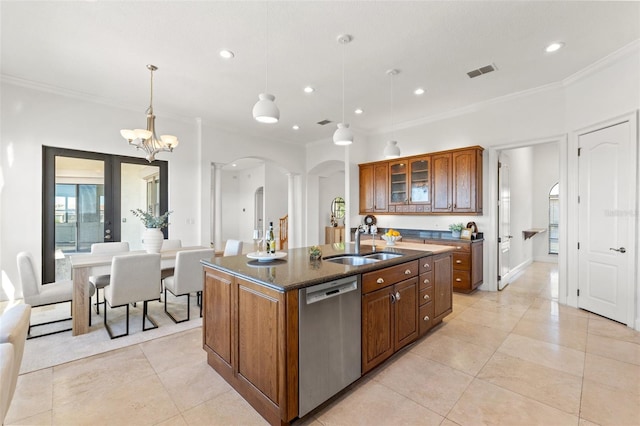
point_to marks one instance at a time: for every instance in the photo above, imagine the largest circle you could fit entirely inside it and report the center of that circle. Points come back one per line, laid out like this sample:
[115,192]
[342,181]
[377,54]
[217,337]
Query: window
[554,214]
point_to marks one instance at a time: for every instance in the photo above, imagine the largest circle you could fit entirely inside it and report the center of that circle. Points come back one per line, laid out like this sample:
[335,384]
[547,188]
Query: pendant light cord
[266,48]
[392,130]
[343,47]
[151,95]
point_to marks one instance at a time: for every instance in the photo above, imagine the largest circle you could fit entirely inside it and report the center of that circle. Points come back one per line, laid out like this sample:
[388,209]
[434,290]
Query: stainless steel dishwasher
[329,340]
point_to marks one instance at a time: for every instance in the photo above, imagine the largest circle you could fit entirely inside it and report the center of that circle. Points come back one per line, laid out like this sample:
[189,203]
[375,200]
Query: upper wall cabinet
[374,187]
[447,182]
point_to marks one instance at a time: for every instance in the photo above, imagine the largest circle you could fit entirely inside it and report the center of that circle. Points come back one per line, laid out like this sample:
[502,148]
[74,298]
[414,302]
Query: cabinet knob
[407,272]
[397,295]
[393,298]
[380,281]
[458,280]
[426,281]
[426,265]
[426,297]
[426,318]
[458,248]
[458,261]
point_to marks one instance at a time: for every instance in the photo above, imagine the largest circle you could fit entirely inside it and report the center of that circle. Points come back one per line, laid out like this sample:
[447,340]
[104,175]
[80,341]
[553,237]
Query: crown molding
[55,90]
[602,63]
[468,109]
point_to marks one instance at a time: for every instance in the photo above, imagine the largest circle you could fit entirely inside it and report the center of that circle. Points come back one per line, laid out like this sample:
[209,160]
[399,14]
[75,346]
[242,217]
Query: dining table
[84,265]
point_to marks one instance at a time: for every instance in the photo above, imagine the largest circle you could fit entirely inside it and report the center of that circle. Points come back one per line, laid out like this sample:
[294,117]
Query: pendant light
[265,110]
[343,136]
[146,139]
[392,150]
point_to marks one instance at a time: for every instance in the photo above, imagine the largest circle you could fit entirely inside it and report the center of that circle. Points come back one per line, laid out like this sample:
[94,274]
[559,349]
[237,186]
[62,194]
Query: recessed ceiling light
[555,46]
[295,127]
[227,54]
[359,111]
[234,165]
[309,89]
[419,91]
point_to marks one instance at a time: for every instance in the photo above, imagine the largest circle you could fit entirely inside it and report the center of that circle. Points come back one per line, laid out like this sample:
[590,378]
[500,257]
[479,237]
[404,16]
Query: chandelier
[146,140]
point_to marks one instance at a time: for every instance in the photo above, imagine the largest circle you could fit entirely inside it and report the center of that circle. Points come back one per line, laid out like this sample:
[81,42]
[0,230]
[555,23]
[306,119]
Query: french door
[88,198]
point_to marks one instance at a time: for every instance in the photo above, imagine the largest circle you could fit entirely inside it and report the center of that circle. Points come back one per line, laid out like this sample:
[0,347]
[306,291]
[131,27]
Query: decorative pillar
[217,206]
[291,233]
[347,196]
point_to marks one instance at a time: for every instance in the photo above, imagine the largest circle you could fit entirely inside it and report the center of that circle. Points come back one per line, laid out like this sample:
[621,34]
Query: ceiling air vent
[324,122]
[482,70]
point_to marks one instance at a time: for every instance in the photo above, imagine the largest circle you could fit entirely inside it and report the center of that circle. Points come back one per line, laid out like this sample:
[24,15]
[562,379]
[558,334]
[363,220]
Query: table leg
[80,310]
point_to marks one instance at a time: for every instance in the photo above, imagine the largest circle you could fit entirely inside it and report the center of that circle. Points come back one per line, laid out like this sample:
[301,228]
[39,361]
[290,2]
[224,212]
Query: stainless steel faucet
[358,231]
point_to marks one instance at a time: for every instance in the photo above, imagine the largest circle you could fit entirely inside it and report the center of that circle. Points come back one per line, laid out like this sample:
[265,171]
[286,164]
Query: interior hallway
[515,357]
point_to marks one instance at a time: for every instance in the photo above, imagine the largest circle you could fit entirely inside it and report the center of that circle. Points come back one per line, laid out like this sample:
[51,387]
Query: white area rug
[60,348]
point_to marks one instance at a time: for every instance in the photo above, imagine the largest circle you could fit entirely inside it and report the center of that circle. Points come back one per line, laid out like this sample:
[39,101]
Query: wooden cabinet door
[259,337]
[464,181]
[381,187]
[366,189]
[442,270]
[398,182]
[217,314]
[420,182]
[377,331]
[441,183]
[406,312]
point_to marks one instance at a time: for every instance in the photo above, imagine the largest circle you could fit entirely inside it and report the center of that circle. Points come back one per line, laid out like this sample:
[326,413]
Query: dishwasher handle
[315,294]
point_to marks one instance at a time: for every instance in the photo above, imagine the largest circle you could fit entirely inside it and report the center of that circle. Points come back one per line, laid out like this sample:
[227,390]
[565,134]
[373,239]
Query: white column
[291,210]
[217,206]
[347,196]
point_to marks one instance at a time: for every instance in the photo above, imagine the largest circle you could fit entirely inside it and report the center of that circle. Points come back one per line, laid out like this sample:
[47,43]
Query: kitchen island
[254,316]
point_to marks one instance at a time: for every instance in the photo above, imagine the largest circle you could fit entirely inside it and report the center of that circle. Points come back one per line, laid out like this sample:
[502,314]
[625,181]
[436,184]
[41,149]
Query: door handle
[621,249]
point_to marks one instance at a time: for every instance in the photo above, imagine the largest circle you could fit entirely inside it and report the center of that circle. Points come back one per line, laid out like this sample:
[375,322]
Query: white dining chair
[98,282]
[187,278]
[171,245]
[134,278]
[14,326]
[232,248]
[37,294]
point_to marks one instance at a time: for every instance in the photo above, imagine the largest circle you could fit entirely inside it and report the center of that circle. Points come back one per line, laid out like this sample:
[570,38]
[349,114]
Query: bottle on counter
[271,240]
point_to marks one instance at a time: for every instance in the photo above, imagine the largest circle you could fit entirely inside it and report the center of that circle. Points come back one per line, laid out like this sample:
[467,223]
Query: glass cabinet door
[419,180]
[398,175]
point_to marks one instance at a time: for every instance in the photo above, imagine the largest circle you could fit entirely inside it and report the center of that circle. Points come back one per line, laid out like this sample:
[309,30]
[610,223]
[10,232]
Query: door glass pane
[140,189]
[79,209]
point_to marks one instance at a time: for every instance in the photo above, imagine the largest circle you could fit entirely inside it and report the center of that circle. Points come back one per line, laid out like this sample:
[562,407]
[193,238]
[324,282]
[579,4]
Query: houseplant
[455,229]
[153,237]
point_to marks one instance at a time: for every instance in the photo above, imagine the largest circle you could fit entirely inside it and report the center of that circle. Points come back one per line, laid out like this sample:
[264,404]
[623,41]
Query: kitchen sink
[351,260]
[383,256]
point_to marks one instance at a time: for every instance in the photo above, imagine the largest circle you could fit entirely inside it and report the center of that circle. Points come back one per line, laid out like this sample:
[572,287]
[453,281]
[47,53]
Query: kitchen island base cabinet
[247,345]
[435,301]
[389,312]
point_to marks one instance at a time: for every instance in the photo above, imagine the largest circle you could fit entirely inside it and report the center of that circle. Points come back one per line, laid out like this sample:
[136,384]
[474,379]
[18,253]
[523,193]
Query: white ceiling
[99,49]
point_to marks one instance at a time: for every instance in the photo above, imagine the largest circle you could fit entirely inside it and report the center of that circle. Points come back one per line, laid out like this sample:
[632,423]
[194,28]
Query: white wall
[546,166]
[32,118]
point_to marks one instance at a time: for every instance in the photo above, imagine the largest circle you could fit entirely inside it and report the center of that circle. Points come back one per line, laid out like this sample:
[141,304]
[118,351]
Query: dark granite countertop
[297,271]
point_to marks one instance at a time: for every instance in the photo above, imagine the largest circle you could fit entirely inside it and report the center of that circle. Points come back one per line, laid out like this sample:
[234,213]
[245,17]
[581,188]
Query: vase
[152,239]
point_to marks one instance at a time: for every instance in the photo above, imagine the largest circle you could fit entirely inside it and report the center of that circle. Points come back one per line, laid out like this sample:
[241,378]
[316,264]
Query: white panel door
[606,185]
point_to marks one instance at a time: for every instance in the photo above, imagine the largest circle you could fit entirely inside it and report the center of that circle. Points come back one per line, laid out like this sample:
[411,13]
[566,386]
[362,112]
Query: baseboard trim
[515,271]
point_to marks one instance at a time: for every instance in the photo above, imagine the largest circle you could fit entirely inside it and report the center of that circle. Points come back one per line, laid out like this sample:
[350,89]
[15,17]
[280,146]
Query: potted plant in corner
[153,237]
[455,229]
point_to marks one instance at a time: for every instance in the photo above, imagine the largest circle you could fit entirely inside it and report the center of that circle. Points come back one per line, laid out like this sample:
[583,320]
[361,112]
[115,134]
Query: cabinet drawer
[426,296]
[425,321]
[375,280]
[426,280]
[426,263]
[461,261]
[461,279]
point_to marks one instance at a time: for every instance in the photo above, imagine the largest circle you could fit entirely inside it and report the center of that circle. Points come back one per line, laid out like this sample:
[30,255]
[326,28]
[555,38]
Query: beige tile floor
[512,358]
